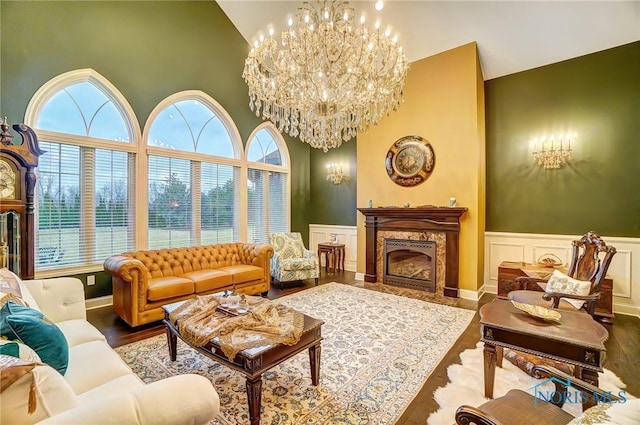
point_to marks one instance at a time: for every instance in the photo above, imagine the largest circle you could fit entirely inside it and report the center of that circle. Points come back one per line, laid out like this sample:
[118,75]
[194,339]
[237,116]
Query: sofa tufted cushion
[169,287]
[207,280]
[244,273]
[35,330]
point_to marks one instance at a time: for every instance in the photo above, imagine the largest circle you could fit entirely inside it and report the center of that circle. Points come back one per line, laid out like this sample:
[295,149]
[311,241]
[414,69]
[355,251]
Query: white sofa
[98,387]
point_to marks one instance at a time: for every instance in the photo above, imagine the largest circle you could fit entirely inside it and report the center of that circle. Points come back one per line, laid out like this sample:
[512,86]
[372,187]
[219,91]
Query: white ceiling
[512,36]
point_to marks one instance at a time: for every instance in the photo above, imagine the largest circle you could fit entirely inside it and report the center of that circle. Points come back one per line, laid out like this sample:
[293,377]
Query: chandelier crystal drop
[328,78]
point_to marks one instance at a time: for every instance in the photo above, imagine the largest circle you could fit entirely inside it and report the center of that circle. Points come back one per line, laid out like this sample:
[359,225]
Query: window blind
[170,206]
[219,218]
[84,209]
[268,204]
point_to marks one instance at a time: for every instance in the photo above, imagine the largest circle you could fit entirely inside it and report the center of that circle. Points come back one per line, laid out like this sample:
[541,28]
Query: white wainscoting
[347,235]
[624,269]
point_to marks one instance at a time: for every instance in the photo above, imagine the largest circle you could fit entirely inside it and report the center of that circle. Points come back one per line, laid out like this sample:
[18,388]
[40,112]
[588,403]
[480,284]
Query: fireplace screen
[410,263]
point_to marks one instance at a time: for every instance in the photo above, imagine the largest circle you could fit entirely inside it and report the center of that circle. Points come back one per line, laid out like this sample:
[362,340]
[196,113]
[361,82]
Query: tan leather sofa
[144,281]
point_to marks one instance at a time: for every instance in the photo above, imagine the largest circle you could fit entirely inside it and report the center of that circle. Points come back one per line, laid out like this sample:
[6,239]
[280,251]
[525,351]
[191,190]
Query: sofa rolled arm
[260,254]
[124,268]
[182,399]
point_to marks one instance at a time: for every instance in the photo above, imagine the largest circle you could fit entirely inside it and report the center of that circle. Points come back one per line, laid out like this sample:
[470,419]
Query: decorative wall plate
[410,161]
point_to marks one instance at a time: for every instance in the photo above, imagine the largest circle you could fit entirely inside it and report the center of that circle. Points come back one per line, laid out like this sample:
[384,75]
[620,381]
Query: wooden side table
[334,256]
[576,339]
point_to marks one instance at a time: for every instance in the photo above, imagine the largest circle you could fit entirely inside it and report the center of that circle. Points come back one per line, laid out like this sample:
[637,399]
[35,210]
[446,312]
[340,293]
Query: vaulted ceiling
[512,36]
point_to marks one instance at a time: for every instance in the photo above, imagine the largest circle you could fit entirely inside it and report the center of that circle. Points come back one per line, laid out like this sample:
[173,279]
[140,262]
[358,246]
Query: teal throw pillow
[10,349]
[32,328]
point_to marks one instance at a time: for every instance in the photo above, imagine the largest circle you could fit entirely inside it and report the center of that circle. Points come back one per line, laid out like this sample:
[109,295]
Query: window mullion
[196,200]
[87,202]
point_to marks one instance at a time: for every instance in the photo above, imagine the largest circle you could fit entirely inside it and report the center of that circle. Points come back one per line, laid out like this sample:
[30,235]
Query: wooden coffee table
[576,339]
[253,362]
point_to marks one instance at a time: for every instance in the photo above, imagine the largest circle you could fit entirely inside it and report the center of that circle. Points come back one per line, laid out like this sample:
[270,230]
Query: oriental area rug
[378,350]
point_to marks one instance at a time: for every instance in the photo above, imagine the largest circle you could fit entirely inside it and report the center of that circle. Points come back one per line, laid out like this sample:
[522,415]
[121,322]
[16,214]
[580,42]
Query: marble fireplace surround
[439,224]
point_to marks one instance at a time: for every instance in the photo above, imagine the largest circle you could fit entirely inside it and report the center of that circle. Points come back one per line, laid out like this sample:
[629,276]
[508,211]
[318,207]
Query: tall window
[85,178]
[267,184]
[194,173]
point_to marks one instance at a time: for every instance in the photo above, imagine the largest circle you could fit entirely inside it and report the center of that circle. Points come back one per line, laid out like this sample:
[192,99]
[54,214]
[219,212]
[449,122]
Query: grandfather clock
[17,208]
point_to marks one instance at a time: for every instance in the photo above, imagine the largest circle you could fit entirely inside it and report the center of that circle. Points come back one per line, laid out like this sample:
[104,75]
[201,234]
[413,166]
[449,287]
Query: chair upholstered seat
[291,264]
[520,408]
[291,260]
[528,410]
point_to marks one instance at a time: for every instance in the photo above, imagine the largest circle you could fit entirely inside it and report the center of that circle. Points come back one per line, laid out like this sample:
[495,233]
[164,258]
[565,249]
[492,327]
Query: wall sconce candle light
[336,173]
[552,152]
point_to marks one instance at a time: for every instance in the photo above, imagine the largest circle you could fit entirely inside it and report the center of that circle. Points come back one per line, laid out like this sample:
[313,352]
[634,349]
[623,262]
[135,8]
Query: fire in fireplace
[410,263]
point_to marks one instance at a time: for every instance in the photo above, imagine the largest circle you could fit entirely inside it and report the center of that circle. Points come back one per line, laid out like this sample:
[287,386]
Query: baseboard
[360,276]
[627,310]
[469,294]
[93,303]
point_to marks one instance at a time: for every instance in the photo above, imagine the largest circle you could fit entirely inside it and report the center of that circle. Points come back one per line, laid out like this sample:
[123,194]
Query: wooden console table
[334,256]
[508,271]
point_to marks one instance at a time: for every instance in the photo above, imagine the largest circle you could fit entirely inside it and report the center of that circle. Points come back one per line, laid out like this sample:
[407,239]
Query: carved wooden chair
[521,408]
[589,264]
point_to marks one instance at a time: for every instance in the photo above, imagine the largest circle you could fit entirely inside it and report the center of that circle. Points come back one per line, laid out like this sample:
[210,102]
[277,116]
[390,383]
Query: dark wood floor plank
[623,346]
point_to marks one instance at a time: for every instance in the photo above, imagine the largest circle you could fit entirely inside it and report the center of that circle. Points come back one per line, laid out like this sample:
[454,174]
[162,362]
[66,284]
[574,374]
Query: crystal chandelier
[328,78]
[550,153]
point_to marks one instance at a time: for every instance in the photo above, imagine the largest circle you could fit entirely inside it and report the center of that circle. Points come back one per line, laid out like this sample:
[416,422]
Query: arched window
[194,164]
[268,183]
[86,199]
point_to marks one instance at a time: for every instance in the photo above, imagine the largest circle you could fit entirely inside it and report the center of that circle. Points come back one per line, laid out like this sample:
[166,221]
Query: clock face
[408,161]
[7,181]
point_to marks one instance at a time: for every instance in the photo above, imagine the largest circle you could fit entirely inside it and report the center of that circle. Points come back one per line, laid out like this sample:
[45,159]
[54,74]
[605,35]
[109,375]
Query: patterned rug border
[368,380]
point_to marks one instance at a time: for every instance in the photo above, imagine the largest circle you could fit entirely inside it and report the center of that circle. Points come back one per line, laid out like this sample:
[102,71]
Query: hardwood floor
[623,345]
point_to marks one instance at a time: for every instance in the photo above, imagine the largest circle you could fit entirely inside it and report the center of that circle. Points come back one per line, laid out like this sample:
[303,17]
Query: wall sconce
[336,173]
[550,152]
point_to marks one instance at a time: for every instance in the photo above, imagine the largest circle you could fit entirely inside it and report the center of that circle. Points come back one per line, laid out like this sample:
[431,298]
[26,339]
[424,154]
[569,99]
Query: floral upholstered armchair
[291,260]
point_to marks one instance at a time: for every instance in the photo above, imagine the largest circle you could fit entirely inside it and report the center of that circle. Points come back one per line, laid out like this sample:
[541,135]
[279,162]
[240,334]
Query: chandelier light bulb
[328,78]
[379,5]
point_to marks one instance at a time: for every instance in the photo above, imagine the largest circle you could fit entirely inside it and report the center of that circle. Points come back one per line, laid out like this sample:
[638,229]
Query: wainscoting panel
[624,269]
[504,252]
[347,235]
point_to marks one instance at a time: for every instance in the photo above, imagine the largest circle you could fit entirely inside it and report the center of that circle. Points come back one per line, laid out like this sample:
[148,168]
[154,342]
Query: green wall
[596,96]
[333,203]
[148,50]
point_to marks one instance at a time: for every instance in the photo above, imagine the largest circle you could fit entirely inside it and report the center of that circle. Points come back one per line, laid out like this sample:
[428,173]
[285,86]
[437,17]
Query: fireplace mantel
[416,219]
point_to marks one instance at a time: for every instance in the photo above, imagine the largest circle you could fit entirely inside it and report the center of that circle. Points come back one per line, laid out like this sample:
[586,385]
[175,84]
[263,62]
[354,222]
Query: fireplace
[424,223]
[410,264]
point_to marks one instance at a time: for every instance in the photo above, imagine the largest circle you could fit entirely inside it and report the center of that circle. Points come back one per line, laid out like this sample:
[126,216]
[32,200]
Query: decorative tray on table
[538,311]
